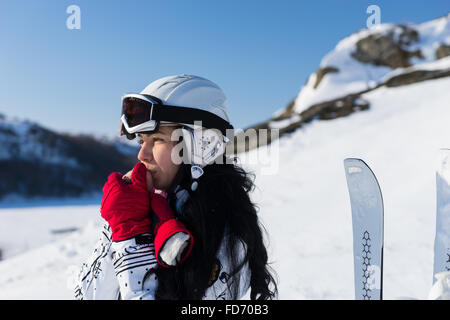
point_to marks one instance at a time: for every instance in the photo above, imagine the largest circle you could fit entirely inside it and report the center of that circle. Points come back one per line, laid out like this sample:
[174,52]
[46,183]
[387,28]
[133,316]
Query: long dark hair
[221,205]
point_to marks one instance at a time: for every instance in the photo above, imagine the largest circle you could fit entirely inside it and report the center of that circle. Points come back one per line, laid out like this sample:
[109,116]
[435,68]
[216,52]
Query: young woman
[180,225]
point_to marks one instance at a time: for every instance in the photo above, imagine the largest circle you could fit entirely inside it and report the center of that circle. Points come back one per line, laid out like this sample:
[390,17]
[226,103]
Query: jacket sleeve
[134,265]
[96,279]
[224,285]
[118,270]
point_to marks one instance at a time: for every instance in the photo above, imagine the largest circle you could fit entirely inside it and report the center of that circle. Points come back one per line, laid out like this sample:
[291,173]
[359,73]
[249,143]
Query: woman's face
[155,154]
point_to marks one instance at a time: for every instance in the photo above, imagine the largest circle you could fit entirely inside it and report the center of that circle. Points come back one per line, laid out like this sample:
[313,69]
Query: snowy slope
[47,272]
[306,207]
[35,223]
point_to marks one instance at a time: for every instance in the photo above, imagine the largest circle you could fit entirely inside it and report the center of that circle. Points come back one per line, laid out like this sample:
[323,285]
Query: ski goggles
[144,113]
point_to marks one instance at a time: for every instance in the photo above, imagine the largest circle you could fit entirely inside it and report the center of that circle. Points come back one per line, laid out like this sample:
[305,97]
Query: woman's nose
[145,154]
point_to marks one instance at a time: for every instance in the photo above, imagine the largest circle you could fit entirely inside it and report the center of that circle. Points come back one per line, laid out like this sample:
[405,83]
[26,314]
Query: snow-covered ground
[304,206]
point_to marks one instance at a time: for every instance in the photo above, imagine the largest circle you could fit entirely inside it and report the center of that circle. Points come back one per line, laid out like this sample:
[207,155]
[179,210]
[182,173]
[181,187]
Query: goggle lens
[136,111]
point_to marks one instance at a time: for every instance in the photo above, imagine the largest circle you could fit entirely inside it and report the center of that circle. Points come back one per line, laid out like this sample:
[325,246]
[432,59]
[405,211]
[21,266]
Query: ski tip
[351,159]
[354,162]
[354,165]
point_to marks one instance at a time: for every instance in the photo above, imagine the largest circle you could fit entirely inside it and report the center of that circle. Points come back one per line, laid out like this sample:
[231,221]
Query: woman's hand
[148,177]
[125,204]
[173,241]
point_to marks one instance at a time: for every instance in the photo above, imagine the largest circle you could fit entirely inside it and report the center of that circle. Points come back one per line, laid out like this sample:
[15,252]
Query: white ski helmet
[192,101]
[189,91]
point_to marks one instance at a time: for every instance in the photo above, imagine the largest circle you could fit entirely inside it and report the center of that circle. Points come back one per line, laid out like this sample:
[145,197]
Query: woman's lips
[151,170]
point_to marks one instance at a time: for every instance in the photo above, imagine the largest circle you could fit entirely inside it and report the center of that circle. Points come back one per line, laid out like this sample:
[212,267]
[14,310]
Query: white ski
[442,239]
[367,219]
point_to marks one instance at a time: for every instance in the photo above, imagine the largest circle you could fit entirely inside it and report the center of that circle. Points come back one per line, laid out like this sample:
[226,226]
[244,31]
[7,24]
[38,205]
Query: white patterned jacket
[123,270]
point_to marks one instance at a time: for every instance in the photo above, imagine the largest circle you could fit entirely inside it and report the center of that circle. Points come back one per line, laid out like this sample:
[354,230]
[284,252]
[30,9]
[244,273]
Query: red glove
[173,241]
[125,206]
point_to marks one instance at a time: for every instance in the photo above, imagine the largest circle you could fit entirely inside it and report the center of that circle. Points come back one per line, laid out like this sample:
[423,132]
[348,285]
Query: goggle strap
[189,116]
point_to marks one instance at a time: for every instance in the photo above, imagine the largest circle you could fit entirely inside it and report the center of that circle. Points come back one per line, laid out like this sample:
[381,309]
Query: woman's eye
[141,141]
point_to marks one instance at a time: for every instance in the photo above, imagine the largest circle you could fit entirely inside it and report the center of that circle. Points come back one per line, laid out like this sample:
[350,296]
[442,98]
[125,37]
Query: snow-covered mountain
[373,57]
[304,204]
[38,162]
[385,56]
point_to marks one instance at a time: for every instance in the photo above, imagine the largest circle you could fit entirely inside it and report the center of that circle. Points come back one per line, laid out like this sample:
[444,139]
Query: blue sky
[259,52]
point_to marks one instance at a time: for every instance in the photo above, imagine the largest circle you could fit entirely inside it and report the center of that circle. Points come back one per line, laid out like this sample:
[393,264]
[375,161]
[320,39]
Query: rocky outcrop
[442,51]
[321,72]
[388,49]
[416,76]
[328,110]
[286,113]
[335,108]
